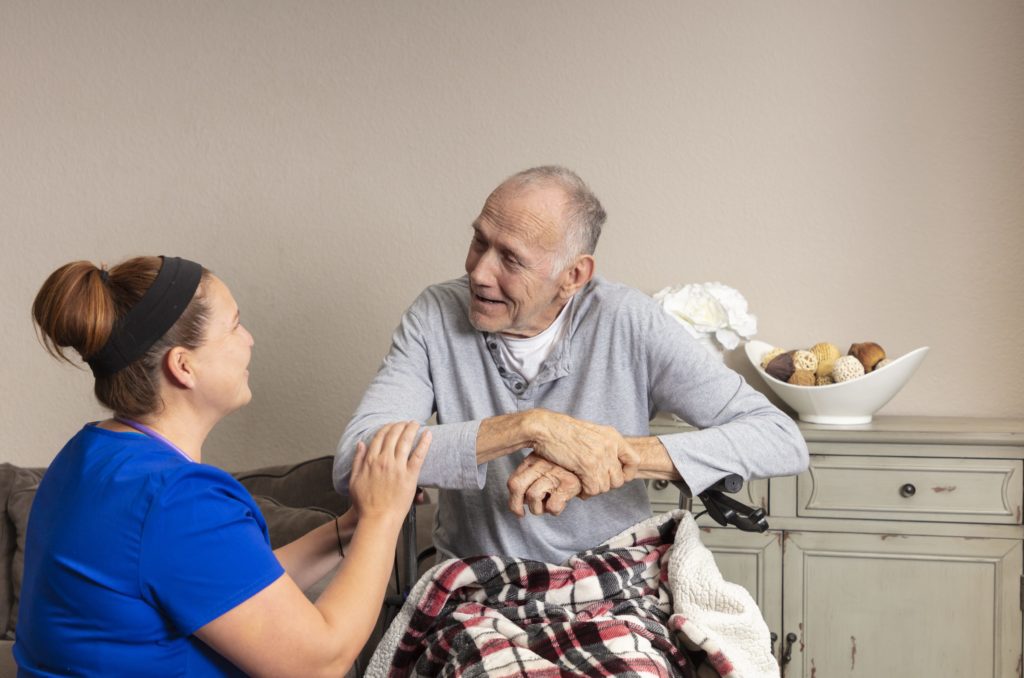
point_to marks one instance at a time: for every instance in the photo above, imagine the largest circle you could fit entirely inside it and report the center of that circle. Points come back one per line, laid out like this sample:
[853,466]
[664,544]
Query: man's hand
[543,486]
[598,455]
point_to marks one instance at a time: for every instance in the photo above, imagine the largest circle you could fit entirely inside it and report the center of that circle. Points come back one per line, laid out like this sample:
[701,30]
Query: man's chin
[484,323]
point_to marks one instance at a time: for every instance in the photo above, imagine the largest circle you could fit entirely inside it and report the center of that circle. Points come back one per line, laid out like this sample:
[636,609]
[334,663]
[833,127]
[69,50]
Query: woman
[141,560]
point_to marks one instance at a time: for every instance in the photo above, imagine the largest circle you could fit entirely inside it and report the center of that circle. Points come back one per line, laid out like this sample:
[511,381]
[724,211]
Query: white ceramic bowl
[850,402]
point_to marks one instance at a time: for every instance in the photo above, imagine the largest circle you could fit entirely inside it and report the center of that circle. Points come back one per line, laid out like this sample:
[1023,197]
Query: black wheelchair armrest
[725,510]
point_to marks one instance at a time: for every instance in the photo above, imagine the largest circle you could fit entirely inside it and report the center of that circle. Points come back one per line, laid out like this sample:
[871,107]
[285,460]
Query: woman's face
[222,361]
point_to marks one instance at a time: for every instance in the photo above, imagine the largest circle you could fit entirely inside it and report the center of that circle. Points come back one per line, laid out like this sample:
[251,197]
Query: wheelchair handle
[732,484]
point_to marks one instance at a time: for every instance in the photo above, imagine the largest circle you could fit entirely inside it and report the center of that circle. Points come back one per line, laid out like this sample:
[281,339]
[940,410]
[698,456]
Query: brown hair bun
[78,306]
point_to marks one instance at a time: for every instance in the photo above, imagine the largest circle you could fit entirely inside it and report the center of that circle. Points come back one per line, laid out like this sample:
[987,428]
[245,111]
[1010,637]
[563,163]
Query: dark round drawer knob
[660,484]
[908,490]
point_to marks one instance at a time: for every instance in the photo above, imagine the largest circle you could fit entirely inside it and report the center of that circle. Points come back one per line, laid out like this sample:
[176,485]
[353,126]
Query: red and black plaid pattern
[604,613]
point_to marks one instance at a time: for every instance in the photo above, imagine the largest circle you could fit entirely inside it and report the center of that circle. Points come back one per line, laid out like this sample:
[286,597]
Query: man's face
[517,238]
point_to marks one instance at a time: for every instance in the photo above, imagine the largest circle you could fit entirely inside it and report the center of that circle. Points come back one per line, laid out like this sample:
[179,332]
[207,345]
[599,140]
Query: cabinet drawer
[906,488]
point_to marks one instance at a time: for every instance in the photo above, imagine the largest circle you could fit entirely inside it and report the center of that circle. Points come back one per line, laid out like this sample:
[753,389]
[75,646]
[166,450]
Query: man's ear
[578,275]
[179,368]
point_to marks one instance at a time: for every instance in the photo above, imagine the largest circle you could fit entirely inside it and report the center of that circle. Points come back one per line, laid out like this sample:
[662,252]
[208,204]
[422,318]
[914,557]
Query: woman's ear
[179,368]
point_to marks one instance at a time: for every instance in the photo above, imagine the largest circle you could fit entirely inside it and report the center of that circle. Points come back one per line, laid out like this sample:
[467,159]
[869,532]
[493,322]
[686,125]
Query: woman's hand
[384,475]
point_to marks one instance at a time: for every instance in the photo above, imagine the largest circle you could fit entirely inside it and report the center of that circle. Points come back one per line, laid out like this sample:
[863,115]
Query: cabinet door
[888,605]
[754,561]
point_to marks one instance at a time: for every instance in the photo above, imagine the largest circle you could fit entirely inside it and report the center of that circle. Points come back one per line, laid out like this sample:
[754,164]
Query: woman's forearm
[310,557]
[362,580]
[324,638]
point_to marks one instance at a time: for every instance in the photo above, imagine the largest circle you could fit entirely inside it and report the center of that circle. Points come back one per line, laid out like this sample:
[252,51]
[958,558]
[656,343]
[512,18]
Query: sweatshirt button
[518,386]
[492,346]
[502,371]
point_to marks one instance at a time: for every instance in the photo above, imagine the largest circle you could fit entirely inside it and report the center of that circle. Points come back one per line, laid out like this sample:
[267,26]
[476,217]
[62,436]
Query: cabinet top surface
[936,430]
[892,429]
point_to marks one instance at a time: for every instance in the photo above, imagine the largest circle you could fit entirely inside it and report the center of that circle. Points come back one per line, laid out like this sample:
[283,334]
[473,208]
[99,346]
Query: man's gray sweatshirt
[622,361]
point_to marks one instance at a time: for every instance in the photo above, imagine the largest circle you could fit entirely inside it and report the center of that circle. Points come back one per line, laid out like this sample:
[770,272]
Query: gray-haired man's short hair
[585,216]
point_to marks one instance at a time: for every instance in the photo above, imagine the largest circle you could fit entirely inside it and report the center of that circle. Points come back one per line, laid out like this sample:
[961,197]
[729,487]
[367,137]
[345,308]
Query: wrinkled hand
[598,455]
[384,475]
[543,486]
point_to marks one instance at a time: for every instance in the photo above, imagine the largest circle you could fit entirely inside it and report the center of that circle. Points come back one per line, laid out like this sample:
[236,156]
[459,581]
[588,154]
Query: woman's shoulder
[96,455]
[191,481]
[128,462]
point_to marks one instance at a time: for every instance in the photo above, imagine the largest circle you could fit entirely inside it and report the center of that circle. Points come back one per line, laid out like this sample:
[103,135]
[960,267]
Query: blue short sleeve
[205,548]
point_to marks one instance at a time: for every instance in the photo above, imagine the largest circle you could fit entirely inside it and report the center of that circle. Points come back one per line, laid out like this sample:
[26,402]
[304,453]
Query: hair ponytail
[74,309]
[77,308]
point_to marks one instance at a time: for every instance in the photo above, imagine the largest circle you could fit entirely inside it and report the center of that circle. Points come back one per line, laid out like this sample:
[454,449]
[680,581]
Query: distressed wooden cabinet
[899,552]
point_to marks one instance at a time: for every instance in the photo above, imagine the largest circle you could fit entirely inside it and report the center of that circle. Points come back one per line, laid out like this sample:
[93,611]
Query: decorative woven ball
[802,378]
[805,360]
[827,354]
[847,368]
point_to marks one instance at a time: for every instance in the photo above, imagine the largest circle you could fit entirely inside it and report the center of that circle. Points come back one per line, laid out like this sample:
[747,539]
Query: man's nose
[481,268]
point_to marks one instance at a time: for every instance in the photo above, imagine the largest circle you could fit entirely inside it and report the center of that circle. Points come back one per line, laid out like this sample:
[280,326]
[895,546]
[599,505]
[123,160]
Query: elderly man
[544,377]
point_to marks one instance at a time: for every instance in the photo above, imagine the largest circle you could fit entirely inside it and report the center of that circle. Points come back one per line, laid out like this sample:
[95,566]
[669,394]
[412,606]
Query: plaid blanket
[648,602]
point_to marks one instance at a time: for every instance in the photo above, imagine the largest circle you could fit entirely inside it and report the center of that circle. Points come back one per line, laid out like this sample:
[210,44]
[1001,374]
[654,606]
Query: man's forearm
[502,435]
[655,461]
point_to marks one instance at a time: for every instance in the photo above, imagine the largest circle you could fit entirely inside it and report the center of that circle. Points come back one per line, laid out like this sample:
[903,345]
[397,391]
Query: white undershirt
[527,354]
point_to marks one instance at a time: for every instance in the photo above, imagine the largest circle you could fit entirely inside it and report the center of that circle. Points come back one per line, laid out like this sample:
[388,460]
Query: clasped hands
[571,458]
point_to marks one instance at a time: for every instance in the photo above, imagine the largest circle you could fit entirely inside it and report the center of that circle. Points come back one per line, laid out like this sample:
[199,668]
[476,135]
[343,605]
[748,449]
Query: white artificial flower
[710,309]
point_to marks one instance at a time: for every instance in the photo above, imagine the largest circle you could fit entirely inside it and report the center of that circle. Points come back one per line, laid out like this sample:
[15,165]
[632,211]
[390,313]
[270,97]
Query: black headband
[147,321]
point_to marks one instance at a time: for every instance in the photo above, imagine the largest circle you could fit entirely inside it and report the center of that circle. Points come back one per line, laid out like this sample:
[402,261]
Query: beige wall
[854,168]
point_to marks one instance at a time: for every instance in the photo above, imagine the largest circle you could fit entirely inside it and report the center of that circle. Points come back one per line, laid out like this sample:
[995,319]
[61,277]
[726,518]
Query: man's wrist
[530,428]
[655,461]
[504,434]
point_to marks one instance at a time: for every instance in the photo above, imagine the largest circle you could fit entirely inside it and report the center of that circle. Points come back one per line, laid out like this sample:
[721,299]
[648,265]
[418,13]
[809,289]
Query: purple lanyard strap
[145,430]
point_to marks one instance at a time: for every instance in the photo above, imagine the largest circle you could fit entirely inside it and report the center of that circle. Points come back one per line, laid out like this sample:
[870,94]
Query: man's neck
[517,336]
